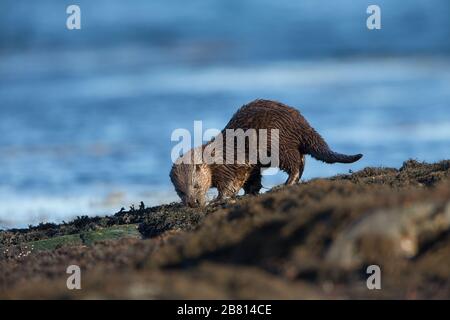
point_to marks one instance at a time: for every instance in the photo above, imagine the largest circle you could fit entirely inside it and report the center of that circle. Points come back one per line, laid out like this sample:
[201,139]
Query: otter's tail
[316,146]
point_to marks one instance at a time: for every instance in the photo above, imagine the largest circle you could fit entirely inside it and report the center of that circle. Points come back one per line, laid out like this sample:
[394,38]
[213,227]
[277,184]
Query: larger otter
[192,179]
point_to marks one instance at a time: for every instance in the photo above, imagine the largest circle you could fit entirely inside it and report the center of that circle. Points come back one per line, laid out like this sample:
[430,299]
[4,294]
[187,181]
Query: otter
[192,179]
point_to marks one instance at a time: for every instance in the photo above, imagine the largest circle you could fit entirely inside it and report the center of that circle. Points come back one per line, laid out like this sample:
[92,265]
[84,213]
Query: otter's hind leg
[295,168]
[253,184]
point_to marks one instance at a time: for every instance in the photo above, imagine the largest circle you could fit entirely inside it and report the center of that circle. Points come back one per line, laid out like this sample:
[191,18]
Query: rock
[396,233]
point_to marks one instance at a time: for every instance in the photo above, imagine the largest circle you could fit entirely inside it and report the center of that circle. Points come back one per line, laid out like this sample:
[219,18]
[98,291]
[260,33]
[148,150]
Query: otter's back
[267,114]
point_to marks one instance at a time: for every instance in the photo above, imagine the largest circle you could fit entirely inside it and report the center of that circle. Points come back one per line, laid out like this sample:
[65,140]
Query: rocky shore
[312,240]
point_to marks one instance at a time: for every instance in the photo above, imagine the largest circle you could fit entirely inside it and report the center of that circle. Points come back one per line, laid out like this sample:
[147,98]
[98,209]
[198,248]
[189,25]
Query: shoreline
[312,240]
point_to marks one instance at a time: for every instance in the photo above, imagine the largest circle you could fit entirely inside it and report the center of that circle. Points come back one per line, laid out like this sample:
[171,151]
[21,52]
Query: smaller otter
[192,179]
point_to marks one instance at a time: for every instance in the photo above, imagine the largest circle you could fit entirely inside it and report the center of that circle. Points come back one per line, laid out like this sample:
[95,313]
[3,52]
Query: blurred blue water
[86,116]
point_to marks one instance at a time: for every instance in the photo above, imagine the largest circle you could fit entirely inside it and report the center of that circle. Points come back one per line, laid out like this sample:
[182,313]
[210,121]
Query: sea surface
[86,116]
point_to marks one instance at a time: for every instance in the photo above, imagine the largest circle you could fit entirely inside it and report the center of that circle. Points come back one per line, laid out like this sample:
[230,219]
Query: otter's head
[191,181]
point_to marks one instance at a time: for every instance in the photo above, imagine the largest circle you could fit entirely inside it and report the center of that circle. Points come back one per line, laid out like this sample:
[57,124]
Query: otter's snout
[194,202]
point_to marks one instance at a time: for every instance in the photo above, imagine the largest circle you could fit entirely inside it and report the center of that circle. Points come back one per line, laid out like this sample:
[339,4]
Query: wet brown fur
[296,138]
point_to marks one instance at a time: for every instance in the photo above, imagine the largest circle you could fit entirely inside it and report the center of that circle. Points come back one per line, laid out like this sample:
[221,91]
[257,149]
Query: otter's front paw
[223,201]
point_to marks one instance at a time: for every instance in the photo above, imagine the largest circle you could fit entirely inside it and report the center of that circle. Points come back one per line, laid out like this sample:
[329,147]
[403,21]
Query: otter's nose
[193,203]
